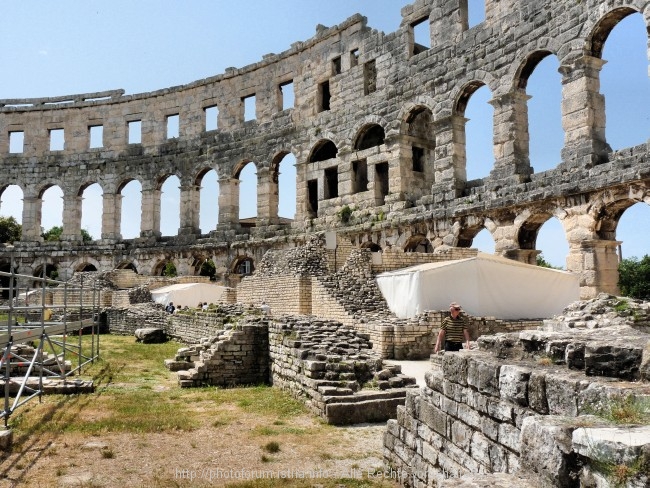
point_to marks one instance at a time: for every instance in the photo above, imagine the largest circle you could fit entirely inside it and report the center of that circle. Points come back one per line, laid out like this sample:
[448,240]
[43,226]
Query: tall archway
[131,216]
[285,175]
[170,204]
[11,202]
[479,130]
[92,210]
[52,208]
[247,176]
[209,206]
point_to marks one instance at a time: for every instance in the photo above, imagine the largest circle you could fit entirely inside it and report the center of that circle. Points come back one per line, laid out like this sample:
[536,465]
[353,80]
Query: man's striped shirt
[454,328]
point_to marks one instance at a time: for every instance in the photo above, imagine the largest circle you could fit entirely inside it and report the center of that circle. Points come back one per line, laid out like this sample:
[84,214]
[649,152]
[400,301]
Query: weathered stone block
[513,384]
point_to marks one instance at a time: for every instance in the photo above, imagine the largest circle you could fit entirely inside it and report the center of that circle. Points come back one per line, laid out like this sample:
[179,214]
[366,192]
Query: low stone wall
[284,294]
[393,259]
[515,408]
[329,366]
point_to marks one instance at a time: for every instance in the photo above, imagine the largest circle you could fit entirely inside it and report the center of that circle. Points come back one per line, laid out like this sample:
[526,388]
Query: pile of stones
[307,260]
[93,279]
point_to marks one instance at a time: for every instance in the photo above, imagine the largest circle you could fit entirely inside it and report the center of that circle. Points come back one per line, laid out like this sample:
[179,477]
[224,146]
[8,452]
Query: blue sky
[79,46]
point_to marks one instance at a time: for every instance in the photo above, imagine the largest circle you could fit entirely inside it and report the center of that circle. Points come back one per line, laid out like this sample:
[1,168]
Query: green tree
[54,234]
[208,269]
[10,230]
[634,277]
[541,261]
[169,270]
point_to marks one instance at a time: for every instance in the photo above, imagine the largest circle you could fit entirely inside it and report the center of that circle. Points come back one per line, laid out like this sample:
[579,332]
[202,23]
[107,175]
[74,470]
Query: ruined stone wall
[392,259]
[523,406]
[284,294]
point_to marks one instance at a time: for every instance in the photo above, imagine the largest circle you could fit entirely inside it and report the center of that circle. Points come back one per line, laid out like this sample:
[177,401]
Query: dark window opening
[359,176]
[418,159]
[312,196]
[336,66]
[369,77]
[371,137]
[324,151]
[331,183]
[354,58]
[381,183]
[324,96]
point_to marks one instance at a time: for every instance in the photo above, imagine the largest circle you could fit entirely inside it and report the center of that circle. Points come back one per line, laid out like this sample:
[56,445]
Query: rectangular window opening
[354,58]
[135,131]
[249,108]
[331,183]
[421,34]
[312,196]
[16,142]
[287,94]
[381,183]
[418,159]
[359,176]
[336,66]
[369,77]
[324,96]
[57,139]
[173,126]
[211,117]
[96,136]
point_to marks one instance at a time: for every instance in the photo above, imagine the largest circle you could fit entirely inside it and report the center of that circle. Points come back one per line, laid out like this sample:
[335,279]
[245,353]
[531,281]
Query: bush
[634,277]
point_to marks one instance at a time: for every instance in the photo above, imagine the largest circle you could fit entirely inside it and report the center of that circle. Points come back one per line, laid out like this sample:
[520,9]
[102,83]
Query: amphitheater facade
[378,133]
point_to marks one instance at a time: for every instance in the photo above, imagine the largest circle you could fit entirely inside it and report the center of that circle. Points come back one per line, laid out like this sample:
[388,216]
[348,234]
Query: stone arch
[608,212]
[159,267]
[595,41]
[242,265]
[323,150]
[467,229]
[469,88]
[418,243]
[237,169]
[371,135]
[526,68]
[127,265]
[414,108]
[85,264]
[371,245]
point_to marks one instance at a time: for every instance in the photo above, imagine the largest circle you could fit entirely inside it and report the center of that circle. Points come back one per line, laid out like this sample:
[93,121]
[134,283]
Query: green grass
[623,410]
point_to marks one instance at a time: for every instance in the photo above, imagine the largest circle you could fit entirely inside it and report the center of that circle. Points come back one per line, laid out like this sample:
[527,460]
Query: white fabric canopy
[485,286]
[189,294]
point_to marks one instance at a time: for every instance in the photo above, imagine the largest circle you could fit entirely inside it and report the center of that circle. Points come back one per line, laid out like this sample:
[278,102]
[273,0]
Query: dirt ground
[230,444]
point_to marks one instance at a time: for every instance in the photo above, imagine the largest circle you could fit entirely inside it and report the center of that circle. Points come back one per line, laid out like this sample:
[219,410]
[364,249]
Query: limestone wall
[284,294]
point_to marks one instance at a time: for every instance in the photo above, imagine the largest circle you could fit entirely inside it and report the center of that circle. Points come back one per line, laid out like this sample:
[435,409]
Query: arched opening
[92,210]
[543,83]
[322,151]
[170,206]
[372,246]
[247,176]
[418,243]
[286,178]
[633,242]
[165,268]
[131,215]
[479,131]
[85,267]
[624,78]
[51,272]
[207,268]
[551,241]
[127,265]
[52,208]
[11,202]
[370,136]
[484,242]
[420,135]
[209,206]
[243,266]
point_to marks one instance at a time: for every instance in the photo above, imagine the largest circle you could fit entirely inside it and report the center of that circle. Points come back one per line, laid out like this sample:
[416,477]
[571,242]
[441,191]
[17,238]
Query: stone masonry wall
[284,294]
[522,406]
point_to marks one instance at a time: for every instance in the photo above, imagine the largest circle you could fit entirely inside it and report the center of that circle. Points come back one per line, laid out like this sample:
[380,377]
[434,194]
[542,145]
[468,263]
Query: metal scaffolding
[37,339]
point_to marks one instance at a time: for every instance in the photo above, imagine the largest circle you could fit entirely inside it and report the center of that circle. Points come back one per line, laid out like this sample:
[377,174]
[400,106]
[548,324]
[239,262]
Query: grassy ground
[140,429]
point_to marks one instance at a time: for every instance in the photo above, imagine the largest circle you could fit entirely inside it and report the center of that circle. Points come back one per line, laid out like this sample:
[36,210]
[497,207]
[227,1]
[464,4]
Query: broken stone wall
[284,294]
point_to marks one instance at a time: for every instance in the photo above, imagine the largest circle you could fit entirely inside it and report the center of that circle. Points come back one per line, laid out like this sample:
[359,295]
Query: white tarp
[485,286]
[189,294]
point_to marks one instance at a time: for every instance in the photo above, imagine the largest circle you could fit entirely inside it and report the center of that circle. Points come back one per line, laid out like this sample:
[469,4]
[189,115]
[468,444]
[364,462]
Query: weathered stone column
[112,215]
[511,137]
[228,203]
[32,211]
[71,218]
[583,113]
[267,197]
[190,203]
[450,160]
[597,263]
[150,222]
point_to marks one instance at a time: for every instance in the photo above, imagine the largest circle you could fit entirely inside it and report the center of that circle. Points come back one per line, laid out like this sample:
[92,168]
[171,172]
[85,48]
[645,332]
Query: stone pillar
[32,211]
[190,210]
[228,203]
[112,216]
[596,261]
[150,221]
[511,137]
[71,218]
[267,197]
[450,164]
[583,113]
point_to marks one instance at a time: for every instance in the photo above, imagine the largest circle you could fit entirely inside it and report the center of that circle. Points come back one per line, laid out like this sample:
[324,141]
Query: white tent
[189,294]
[485,286]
